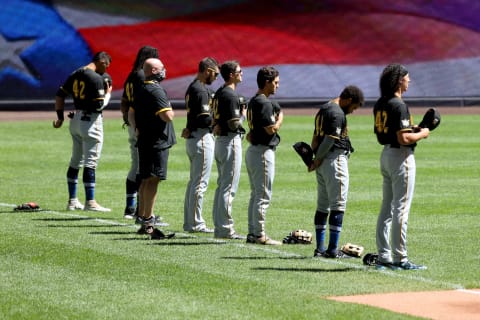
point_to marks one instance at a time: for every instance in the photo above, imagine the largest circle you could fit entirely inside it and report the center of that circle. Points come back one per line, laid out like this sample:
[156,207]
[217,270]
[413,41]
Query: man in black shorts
[152,117]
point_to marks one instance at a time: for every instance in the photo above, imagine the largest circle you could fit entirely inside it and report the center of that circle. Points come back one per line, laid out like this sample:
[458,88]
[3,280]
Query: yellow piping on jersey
[163,110]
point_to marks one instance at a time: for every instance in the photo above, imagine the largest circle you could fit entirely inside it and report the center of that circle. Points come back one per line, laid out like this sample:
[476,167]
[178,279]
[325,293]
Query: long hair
[143,54]
[390,79]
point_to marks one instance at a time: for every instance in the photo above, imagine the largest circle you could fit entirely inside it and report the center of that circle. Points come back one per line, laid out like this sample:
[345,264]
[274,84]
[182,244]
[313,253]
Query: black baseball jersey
[226,107]
[262,113]
[391,115]
[150,100]
[331,121]
[87,89]
[134,80]
[198,101]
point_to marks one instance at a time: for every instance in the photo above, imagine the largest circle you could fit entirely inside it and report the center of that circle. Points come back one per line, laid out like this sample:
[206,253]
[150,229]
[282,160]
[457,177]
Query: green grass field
[81,265]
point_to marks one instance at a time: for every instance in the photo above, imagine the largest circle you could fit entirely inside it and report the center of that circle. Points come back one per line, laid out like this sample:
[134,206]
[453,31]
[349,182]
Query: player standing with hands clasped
[152,117]
[264,120]
[90,96]
[229,113]
[394,130]
[200,144]
[331,147]
[135,80]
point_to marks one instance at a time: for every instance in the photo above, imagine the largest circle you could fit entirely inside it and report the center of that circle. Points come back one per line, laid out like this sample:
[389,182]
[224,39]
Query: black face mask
[160,76]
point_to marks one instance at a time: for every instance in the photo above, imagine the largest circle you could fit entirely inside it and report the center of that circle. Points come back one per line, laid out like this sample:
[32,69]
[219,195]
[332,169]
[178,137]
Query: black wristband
[60,115]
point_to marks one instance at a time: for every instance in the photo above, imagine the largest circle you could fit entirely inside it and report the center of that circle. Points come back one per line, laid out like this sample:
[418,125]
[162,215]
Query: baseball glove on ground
[298,236]
[27,207]
[370,259]
[431,119]
[305,152]
[352,250]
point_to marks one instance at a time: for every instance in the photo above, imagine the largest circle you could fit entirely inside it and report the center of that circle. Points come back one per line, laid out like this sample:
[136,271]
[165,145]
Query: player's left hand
[57,123]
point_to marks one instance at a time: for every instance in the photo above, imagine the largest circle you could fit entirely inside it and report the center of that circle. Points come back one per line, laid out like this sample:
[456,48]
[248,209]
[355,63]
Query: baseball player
[199,144]
[152,116]
[394,130]
[264,120]
[133,81]
[331,146]
[229,114]
[87,87]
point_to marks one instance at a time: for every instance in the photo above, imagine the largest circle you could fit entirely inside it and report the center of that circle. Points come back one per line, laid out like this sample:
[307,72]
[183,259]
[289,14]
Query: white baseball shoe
[74,204]
[92,205]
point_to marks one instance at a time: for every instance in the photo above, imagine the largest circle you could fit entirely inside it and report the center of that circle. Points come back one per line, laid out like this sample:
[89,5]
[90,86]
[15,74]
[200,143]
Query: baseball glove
[305,152]
[352,250]
[431,119]
[27,207]
[370,259]
[298,236]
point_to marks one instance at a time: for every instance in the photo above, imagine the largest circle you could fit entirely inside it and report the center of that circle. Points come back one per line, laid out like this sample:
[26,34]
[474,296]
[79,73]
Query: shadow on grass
[83,225]
[111,232]
[64,219]
[266,258]
[304,269]
[24,211]
[172,242]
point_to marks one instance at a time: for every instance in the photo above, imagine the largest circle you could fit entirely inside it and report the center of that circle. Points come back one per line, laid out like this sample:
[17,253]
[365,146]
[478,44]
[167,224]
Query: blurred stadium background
[318,46]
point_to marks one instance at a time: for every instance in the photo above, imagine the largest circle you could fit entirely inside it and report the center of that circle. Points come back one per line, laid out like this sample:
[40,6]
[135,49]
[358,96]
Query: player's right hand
[186,133]
[57,123]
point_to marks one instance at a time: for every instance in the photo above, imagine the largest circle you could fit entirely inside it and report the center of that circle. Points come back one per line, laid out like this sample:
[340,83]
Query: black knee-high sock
[335,222]
[89,183]
[72,181]
[131,197]
[320,221]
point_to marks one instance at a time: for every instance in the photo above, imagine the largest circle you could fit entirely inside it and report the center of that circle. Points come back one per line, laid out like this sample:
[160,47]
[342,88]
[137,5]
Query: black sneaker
[318,254]
[251,238]
[129,213]
[379,265]
[138,220]
[407,265]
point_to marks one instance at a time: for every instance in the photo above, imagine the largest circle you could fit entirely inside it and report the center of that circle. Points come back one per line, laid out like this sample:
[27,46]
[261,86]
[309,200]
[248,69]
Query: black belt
[86,114]
[397,146]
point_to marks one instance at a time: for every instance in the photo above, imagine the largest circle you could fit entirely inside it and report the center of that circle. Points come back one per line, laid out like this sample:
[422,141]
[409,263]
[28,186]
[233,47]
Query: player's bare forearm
[59,107]
[408,138]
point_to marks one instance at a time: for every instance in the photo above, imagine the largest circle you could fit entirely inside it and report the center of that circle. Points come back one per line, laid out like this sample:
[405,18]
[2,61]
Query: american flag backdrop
[318,46]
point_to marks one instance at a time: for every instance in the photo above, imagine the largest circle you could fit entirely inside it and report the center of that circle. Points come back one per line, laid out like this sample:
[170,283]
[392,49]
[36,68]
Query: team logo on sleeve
[405,123]
[338,131]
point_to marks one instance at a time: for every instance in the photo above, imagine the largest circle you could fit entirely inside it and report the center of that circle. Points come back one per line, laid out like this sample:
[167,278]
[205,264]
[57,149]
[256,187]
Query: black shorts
[152,161]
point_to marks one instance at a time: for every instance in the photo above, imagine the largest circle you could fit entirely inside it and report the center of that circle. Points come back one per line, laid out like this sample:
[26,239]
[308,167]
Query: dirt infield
[438,305]
[113,114]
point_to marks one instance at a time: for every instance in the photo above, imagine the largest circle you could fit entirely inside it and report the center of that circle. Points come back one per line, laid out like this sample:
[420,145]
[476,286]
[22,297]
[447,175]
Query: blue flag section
[38,49]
